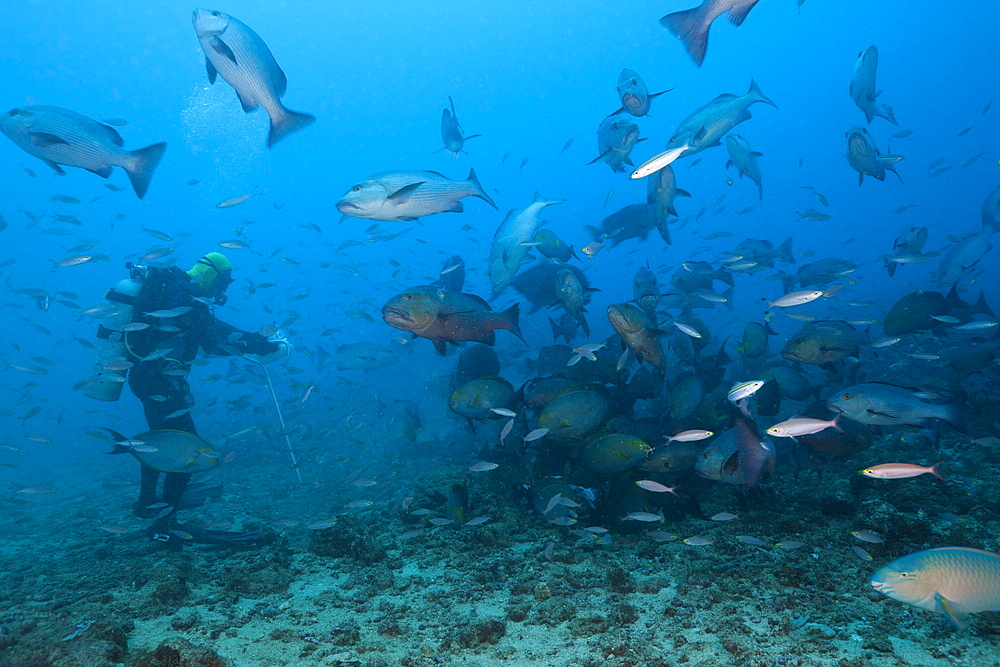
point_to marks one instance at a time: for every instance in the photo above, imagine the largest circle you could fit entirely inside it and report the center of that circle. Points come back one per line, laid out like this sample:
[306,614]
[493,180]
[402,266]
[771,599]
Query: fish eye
[407,297]
[846,397]
[15,112]
[215,14]
[356,188]
[905,575]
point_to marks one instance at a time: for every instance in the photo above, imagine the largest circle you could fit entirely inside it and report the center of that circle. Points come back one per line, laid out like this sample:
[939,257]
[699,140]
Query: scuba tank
[106,385]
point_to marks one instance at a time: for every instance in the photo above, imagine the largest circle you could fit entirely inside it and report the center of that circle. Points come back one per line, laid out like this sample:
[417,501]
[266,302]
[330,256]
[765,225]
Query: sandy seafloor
[358,594]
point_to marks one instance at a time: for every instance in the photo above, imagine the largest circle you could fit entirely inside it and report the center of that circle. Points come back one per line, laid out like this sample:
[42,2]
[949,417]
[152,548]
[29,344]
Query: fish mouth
[344,204]
[881,587]
[392,314]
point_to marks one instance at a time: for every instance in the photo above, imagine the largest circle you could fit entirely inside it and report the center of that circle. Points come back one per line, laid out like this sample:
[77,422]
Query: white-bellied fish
[635,96]
[238,54]
[706,126]
[58,136]
[397,196]
[744,159]
[863,87]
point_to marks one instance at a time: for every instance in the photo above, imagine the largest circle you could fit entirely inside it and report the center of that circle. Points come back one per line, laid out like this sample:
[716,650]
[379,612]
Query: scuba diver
[176,307]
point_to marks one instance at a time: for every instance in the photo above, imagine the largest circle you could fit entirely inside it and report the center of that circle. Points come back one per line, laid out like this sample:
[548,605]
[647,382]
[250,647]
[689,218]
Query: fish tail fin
[512,319]
[478,189]
[885,111]
[934,471]
[285,122]
[785,251]
[690,27]
[555,330]
[981,306]
[890,267]
[760,96]
[787,281]
[117,440]
[141,166]
[835,422]
[728,294]
[725,277]
[582,321]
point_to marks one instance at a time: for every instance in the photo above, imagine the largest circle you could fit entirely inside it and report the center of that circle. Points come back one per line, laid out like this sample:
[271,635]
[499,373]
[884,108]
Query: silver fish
[507,253]
[395,196]
[909,243]
[691,25]
[864,157]
[706,126]
[879,404]
[744,159]
[59,136]
[960,259]
[863,87]
[238,54]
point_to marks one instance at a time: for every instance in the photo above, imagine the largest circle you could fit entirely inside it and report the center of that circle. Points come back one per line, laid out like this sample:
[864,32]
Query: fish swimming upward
[237,54]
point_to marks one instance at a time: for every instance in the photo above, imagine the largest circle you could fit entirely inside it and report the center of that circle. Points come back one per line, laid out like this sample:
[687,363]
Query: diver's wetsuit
[160,383]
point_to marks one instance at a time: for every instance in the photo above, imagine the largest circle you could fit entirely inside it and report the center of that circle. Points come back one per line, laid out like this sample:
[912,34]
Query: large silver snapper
[397,196]
[960,259]
[880,404]
[691,25]
[706,126]
[59,136]
[508,251]
[863,87]
[238,54]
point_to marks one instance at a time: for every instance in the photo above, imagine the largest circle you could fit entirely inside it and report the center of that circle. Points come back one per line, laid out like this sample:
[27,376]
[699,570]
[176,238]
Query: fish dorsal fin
[401,195]
[223,49]
[436,173]
[43,139]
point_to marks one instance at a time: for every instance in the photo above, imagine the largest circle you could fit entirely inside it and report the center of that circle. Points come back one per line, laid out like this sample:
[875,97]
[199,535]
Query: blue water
[528,77]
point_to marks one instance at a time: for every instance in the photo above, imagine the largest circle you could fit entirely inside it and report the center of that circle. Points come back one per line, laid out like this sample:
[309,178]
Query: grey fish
[764,253]
[744,159]
[661,191]
[918,311]
[538,283]
[909,243]
[698,277]
[863,87]
[59,136]
[691,25]
[396,196]
[572,296]
[880,404]
[864,156]
[822,271]
[635,96]
[706,126]
[616,138]
[507,252]
[451,131]
[823,342]
[960,259]
[238,54]
[631,222]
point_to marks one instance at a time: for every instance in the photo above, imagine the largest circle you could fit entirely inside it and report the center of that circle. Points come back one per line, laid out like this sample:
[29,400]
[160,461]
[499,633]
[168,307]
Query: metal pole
[281,417]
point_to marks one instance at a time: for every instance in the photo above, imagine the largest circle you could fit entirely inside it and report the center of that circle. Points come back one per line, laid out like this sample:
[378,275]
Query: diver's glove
[281,349]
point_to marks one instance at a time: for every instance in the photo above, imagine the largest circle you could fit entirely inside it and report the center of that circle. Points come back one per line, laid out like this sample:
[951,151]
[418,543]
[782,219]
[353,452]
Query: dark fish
[551,246]
[240,56]
[756,453]
[167,450]
[638,333]
[430,312]
[744,159]
[631,222]
[917,311]
[537,283]
[452,277]
[59,136]
[864,156]
[451,131]
[646,289]
[476,399]
[475,362]
[822,342]
[576,414]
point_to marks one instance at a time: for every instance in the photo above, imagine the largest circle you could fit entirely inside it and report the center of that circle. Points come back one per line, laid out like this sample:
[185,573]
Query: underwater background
[351,569]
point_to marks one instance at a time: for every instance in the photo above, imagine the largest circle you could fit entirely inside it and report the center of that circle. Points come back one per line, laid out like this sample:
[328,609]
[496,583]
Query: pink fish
[901,471]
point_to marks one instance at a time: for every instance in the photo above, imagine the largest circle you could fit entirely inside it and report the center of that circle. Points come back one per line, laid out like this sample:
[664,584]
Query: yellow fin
[950,611]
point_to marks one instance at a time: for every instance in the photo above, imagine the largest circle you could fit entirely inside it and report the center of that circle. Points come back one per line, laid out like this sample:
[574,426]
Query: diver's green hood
[207,270]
